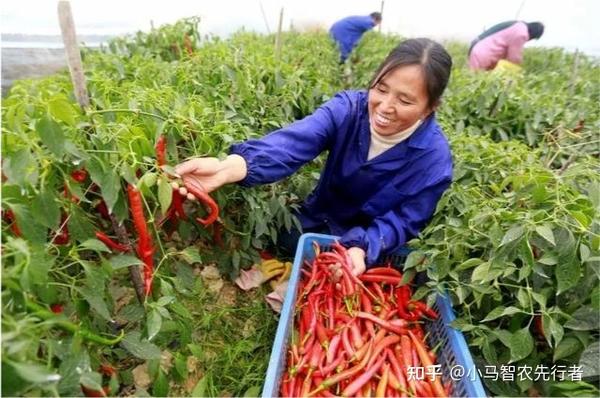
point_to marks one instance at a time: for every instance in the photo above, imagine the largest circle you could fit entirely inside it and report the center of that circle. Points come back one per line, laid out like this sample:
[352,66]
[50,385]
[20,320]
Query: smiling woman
[388,162]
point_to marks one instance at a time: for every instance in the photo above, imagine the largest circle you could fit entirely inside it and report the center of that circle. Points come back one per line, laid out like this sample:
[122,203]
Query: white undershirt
[381,143]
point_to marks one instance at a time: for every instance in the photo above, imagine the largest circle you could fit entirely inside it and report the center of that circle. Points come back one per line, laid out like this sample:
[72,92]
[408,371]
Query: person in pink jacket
[502,41]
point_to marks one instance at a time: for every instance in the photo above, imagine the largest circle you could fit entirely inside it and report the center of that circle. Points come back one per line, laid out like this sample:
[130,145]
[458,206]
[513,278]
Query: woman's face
[398,100]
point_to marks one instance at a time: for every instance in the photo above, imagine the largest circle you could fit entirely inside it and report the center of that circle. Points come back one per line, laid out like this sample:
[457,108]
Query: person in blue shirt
[347,31]
[388,160]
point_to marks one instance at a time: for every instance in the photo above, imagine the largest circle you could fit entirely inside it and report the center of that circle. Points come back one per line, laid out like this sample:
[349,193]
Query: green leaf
[414,258]
[77,361]
[154,324]
[31,230]
[253,391]
[80,227]
[512,234]
[40,265]
[51,135]
[501,311]
[590,360]
[95,245]
[521,345]
[191,255]
[165,194]
[45,209]
[546,232]
[567,347]
[96,301]
[552,330]
[160,388]
[123,261]
[20,167]
[481,272]
[62,110]
[584,318]
[595,298]
[148,180]
[200,388]
[140,348]
[92,380]
[567,275]
[470,263]
[111,186]
[35,373]
[584,252]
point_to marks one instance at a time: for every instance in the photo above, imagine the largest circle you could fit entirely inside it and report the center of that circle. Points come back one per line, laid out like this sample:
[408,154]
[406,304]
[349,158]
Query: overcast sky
[570,24]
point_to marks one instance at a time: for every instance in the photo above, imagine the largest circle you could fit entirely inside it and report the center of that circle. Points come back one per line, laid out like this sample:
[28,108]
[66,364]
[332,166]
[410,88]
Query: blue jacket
[376,204]
[348,31]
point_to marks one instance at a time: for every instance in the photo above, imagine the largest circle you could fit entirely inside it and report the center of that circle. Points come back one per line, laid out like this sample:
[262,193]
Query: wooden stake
[278,37]
[67,28]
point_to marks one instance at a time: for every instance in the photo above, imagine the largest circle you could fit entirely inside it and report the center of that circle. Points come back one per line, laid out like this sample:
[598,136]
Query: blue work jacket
[376,204]
[348,31]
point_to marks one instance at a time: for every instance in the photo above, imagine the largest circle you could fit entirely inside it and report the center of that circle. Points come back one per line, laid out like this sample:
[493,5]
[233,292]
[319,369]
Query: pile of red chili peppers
[358,336]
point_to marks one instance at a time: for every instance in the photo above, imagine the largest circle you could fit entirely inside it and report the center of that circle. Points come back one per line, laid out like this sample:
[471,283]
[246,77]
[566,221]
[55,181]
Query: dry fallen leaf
[141,379]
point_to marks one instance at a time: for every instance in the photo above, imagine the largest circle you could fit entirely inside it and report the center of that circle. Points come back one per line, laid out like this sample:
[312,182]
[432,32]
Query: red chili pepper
[79,175]
[428,312]
[107,370]
[361,380]
[178,205]
[145,249]
[203,197]
[56,308]
[161,151]
[392,279]
[111,243]
[10,218]
[383,271]
[103,209]
[436,383]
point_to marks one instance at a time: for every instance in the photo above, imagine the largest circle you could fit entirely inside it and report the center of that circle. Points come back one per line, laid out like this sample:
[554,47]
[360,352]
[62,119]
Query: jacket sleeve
[390,231]
[282,152]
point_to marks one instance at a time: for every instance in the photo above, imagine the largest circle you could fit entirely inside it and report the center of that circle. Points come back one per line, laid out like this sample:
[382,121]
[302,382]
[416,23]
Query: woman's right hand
[211,173]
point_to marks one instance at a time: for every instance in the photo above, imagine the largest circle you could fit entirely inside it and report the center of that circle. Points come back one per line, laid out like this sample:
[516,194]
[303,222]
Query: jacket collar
[421,138]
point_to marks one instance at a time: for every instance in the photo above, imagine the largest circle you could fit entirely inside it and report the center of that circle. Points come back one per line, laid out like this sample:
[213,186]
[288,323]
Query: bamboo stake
[69,36]
[278,37]
[262,10]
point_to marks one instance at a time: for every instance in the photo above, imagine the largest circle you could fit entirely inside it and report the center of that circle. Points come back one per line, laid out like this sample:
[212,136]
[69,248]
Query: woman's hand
[357,255]
[210,173]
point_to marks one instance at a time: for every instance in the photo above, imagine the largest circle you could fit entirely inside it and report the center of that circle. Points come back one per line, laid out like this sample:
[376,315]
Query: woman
[502,41]
[388,162]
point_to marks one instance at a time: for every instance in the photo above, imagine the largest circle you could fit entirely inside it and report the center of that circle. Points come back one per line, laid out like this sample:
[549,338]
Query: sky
[569,24]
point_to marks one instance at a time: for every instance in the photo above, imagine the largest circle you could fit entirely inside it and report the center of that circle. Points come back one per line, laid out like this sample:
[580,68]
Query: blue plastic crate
[453,349]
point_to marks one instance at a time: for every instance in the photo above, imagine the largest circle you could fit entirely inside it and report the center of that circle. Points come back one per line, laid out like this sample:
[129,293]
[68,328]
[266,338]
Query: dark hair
[376,16]
[535,30]
[430,55]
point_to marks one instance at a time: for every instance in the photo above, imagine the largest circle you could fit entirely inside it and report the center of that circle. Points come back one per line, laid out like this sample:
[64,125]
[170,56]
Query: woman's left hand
[357,255]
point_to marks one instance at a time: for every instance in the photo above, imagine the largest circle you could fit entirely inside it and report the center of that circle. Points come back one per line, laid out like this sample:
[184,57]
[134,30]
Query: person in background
[348,31]
[502,41]
[388,160]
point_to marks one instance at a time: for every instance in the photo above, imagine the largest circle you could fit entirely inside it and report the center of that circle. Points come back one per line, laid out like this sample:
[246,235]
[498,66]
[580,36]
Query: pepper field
[515,240]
